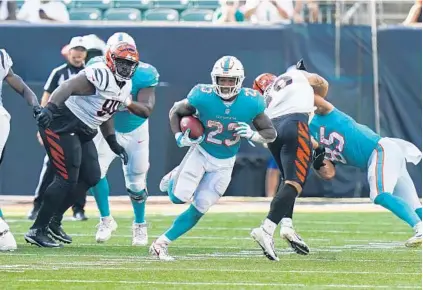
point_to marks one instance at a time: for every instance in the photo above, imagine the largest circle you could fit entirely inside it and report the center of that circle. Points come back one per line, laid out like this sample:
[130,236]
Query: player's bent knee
[174,199]
[136,183]
[93,178]
[138,196]
[202,205]
[295,184]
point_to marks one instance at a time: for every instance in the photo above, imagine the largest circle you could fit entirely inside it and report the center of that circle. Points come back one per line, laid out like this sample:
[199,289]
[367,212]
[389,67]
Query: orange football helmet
[122,59]
[264,80]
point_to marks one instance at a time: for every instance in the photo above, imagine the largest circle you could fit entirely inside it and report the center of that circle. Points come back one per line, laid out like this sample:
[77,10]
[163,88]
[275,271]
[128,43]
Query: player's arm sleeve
[194,97]
[99,77]
[179,110]
[266,133]
[6,62]
[52,82]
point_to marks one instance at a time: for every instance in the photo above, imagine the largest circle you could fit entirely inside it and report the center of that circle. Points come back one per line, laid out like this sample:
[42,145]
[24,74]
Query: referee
[77,53]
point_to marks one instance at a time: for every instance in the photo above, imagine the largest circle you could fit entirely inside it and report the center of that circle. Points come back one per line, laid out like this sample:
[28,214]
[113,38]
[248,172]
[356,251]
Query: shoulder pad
[5,61]
[99,75]
[94,60]
[250,92]
[201,89]
[146,75]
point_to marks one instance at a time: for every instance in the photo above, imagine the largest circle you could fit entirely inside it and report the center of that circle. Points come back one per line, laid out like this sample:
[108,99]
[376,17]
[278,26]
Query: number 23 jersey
[345,140]
[220,118]
[98,108]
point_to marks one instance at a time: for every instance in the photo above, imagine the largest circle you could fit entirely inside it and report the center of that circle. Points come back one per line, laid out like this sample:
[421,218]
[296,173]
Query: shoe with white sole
[105,229]
[139,234]
[160,250]
[7,240]
[265,241]
[294,240]
[416,240]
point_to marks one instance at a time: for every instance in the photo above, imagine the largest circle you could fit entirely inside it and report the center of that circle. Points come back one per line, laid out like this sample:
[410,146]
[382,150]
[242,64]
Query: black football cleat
[79,216]
[56,231]
[40,238]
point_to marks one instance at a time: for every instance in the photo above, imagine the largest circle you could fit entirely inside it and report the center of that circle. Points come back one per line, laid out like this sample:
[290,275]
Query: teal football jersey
[145,76]
[345,140]
[220,118]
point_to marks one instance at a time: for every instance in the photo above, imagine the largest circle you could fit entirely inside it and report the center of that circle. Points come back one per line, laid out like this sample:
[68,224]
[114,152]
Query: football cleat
[292,238]
[40,238]
[56,231]
[265,241]
[416,240]
[139,234]
[160,250]
[105,229]
[164,183]
[7,240]
[79,216]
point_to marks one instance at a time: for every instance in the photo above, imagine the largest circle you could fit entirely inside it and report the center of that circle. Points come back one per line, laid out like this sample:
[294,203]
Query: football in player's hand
[190,122]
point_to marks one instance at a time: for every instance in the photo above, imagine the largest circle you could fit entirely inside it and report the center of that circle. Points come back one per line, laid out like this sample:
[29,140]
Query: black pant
[74,159]
[47,178]
[292,148]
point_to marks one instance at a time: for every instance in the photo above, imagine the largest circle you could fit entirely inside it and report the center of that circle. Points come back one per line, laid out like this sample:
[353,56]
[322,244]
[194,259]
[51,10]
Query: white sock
[287,222]
[269,226]
[163,240]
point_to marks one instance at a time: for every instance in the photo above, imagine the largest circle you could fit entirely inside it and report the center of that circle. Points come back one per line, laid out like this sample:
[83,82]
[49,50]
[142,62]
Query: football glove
[116,148]
[183,139]
[318,157]
[244,130]
[45,115]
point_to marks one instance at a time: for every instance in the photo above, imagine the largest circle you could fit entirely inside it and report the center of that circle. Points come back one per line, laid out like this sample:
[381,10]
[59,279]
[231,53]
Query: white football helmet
[227,67]
[120,37]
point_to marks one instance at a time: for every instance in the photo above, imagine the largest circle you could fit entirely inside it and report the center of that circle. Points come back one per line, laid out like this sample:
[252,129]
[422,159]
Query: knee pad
[139,197]
[203,204]
[136,183]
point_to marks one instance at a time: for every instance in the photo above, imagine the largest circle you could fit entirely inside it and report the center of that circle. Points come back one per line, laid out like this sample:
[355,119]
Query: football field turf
[348,250]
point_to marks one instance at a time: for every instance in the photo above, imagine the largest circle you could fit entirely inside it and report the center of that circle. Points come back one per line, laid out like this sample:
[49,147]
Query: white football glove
[183,139]
[244,130]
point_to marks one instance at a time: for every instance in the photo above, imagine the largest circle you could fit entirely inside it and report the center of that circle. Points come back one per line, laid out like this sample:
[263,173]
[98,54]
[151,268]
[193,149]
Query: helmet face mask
[122,59]
[227,77]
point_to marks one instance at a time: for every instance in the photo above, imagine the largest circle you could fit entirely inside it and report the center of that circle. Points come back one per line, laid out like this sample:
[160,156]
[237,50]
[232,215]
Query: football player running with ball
[225,109]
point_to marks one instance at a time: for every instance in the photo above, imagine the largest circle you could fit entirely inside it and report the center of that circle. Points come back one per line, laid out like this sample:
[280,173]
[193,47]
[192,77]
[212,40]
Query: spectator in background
[414,17]
[37,11]
[7,10]
[228,12]
[272,11]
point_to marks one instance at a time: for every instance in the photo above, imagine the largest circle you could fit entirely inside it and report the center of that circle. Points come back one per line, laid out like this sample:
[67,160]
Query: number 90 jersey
[96,109]
[345,140]
[290,93]
[220,118]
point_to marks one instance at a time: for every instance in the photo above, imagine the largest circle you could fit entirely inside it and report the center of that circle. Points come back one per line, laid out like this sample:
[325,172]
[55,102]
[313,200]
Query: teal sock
[101,194]
[419,212]
[172,196]
[398,207]
[183,223]
[139,208]
[1,213]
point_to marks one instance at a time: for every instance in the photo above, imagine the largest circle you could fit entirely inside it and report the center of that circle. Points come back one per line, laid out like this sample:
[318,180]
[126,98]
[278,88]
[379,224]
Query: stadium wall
[184,56]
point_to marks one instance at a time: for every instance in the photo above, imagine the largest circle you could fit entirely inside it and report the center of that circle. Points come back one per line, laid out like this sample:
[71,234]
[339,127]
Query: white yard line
[75,266]
[251,284]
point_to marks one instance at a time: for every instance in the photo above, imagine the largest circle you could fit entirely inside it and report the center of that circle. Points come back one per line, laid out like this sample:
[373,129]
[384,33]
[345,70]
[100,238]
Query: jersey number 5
[334,139]
[218,129]
[109,107]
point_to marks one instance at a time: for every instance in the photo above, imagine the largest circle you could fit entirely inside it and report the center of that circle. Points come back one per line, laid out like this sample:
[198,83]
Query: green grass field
[349,250]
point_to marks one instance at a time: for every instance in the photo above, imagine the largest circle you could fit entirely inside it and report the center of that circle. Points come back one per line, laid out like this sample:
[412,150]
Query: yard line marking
[193,257]
[220,283]
[58,266]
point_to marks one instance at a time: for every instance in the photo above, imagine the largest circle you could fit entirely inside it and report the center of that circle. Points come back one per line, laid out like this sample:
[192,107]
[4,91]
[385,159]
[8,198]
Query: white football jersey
[290,93]
[5,64]
[96,109]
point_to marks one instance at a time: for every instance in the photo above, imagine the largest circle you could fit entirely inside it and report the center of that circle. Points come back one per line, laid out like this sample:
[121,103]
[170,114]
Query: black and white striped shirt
[59,75]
